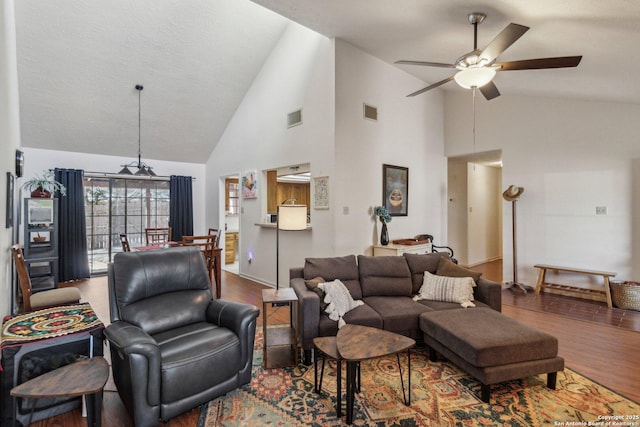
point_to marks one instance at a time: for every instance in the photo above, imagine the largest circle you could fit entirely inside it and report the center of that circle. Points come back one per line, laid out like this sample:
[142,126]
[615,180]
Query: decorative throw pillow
[339,299]
[447,289]
[448,268]
[312,285]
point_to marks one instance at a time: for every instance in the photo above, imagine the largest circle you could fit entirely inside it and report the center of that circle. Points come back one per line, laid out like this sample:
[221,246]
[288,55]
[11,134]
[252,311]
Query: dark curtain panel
[180,207]
[73,262]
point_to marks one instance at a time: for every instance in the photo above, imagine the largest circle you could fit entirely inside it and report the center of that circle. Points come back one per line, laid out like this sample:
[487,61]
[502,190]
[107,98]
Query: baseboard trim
[483,262]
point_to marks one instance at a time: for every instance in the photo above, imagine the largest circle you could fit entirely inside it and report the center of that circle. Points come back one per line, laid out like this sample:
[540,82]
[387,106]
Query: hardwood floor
[603,347]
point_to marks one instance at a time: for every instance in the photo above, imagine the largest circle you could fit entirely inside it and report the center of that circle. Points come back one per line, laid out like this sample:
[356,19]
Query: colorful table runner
[48,323]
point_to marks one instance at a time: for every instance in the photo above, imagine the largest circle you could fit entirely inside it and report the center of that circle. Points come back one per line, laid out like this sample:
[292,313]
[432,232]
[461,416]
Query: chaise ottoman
[491,346]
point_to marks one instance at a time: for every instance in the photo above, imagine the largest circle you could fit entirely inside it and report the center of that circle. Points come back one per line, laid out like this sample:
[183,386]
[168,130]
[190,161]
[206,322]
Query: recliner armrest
[241,319]
[130,339]
[136,350]
[489,293]
[232,315]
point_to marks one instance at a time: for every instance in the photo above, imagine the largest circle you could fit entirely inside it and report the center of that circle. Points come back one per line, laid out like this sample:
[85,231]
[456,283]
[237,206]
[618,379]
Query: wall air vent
[370,112]
[294,119]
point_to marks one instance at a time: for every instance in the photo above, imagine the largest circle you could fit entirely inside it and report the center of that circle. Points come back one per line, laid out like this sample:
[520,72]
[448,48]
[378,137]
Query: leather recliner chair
[173,347]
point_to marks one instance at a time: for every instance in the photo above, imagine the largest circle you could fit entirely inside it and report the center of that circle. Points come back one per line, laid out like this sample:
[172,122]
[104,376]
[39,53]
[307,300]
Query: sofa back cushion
[343,268]
[384,276]
[419,263]
[449,269]
[159,290]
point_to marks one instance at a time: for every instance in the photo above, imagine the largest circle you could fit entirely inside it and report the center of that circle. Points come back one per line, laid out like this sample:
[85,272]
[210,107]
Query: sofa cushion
[384,275]
[448,268]
[188,351]
[362,315]
[447,289]
[343,268]
[419,263]
[399,314]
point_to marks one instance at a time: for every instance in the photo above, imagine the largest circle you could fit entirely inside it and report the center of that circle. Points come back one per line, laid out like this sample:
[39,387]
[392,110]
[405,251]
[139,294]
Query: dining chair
[215,232]
[207,246]
[124,241]
[32,301]
[158,235]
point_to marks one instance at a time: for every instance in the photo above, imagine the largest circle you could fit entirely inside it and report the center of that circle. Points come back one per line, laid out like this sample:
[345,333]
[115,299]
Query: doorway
[230,193]
[474,211]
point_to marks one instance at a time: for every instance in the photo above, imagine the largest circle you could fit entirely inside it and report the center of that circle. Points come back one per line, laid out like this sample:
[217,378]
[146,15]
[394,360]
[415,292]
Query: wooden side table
[86,377]
[279,337]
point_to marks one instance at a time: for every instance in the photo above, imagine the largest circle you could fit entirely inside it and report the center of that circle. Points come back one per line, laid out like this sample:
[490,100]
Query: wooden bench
[596,294]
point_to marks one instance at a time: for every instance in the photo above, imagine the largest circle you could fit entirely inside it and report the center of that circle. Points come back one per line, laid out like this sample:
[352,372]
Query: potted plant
[382,213]
[44,185]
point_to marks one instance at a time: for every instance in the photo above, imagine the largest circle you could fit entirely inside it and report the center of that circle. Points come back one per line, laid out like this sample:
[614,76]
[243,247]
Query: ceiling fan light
[474,77]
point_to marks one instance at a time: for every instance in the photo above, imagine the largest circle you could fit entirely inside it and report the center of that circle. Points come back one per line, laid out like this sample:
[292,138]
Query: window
[121,205]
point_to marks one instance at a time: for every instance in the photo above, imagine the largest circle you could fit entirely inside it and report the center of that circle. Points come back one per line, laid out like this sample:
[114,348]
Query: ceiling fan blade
[489,91]
[537,64]
[506,38]
[427,64]
[433,86]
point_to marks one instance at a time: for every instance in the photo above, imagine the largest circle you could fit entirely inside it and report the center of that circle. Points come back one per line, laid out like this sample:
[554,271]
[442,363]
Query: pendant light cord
[139,88]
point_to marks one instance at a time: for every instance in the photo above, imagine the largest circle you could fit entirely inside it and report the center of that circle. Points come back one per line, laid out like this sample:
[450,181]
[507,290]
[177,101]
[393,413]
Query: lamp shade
[474,77]
[292,217]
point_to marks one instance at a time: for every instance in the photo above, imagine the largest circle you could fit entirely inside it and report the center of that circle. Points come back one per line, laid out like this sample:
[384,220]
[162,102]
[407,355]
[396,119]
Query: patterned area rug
[442,395]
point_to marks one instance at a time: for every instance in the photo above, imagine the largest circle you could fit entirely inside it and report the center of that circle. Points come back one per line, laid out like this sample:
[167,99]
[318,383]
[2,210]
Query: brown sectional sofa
[386,285]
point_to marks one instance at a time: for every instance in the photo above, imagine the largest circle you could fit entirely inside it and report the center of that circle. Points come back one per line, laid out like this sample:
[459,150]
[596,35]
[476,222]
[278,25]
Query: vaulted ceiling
[78,61]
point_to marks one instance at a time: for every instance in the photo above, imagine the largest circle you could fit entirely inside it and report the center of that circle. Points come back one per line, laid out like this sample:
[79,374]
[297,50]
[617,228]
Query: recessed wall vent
[294,119]
[370,112]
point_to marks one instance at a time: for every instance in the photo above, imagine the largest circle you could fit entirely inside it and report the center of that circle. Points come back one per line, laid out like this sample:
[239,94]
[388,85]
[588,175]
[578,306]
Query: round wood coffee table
[356,343]
[86,377]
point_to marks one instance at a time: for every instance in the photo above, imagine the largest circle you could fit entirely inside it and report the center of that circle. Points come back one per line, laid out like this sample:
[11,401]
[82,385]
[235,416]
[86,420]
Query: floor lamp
[512,194]
[289,217]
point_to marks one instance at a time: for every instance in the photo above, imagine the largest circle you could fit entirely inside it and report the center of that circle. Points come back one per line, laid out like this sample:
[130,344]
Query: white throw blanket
[339,299]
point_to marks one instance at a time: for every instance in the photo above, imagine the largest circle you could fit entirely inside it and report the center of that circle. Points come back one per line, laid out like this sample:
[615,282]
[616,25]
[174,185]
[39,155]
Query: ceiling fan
[478,67]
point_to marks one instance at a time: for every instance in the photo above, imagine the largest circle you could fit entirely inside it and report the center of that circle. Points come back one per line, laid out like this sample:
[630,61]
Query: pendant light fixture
[143,168]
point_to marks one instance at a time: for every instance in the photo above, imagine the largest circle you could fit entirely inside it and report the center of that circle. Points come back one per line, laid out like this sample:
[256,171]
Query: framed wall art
[395,189]
[321,192]
[249,185]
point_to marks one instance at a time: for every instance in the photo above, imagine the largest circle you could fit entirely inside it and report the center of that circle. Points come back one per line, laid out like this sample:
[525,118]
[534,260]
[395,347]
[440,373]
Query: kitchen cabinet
[230,247]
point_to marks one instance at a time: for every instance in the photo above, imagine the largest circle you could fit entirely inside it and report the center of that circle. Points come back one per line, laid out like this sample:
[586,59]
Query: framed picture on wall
[395,189]
[321,192]
[249,185]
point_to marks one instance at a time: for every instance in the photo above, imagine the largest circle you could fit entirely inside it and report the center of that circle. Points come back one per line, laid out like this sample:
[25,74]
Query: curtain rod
[92,174]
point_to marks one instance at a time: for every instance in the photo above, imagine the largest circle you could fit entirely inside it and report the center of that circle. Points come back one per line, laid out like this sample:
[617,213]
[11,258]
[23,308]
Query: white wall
[408,133]
[297,74]
[9,141]
[38,160]
[570,156]
[330,80]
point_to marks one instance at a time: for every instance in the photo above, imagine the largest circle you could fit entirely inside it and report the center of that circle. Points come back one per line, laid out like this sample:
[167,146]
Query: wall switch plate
[345,210]
[601,210]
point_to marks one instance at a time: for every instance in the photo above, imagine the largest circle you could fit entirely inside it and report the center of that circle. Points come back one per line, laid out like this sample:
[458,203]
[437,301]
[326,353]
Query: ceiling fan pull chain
[474,120]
